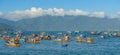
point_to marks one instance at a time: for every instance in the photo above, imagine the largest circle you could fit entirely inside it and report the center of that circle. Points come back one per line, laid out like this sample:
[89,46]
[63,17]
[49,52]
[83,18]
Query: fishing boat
[79,39]
[118,34]
[61,40]
[89,40]
[65,39]
[95,33]
[15,45]
[32,41]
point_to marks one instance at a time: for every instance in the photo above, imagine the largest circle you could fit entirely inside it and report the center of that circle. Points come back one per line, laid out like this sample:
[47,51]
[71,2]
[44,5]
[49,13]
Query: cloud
[115,16]
[18,15]
[36,12]
[97,14]
[55,12]
[77,12]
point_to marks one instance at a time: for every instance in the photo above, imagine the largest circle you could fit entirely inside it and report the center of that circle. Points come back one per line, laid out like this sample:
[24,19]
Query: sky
[109,6]
[100,7]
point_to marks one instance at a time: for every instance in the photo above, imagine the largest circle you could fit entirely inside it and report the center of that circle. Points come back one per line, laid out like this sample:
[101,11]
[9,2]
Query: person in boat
[38,38]
[18,36]
[79,39]
[48,37]
[67,38]
[41,36]
[10,40]
[4,38]
[63,39]
[83,35]
[32,40]
[26,38]
[33,36]
[16,42]
[13,42]
[1,35]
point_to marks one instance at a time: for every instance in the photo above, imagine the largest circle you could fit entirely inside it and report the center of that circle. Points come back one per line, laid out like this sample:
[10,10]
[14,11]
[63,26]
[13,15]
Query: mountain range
[6,24]
[62,23]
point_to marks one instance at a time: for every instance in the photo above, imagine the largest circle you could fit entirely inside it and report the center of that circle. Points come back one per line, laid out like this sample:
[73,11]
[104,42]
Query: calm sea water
[107,46]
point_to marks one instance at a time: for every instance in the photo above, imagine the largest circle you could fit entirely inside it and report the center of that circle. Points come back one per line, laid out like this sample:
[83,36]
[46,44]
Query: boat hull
[60,40]
[15,45]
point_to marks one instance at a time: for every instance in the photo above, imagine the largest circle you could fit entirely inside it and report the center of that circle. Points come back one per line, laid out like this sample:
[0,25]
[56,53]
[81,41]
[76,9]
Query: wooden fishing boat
[15,45]
[61,40]
[65,39]
[32,41]
[79,39]
[89,40]
[95,33]
[13,42]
